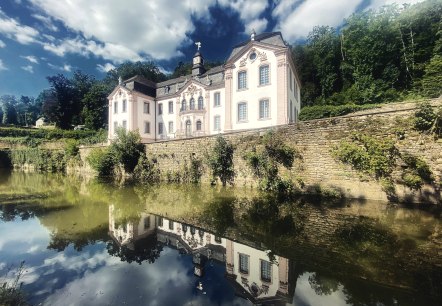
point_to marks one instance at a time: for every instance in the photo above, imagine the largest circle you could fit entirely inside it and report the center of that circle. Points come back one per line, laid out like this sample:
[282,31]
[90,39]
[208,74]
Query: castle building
[257,87]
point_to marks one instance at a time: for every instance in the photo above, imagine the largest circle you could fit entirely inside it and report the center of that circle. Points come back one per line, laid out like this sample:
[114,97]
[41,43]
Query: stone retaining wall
[314,141]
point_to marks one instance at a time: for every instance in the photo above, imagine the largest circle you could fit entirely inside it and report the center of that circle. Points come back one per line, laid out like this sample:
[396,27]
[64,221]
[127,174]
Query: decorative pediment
[252,56]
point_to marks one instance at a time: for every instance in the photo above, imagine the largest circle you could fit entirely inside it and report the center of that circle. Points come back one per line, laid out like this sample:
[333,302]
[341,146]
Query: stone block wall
[314,141]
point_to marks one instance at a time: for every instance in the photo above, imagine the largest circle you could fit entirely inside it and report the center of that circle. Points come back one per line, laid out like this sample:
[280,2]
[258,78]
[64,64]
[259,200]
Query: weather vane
[198,44]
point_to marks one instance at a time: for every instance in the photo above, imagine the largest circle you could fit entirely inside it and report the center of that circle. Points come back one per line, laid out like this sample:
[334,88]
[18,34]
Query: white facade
[257,87]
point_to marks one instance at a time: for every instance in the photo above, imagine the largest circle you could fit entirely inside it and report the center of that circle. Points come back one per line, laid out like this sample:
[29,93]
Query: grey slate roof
[272,38]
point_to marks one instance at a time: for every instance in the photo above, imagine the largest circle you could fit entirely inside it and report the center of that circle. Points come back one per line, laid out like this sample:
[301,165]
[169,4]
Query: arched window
[192,103]
[188,128]
[200,103]
[198,125]
[183,105]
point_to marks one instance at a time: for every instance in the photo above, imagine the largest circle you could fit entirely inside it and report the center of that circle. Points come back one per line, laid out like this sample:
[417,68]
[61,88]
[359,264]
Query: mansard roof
[271,38]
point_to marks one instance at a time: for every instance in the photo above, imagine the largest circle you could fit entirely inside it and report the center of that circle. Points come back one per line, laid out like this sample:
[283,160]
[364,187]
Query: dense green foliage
[127,149]
[379,158]
[369,154]
[265,159]
[427,119]
[43,160]
[378,56]
[221,161]
[102,161]
[326,111]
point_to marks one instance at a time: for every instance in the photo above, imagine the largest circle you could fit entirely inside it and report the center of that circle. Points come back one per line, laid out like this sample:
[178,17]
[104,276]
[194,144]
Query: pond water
[93,243]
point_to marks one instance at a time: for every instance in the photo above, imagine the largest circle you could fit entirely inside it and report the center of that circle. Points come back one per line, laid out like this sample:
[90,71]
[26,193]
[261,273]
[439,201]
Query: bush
[221,161]
[327,111]
[146,171]
[71,148]
[42,159]
[10,292]
[424,117]
[127,149]
[368,154]
[101,160]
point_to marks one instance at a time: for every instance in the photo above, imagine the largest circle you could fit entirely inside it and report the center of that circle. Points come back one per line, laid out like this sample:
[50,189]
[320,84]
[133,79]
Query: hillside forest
[377,56]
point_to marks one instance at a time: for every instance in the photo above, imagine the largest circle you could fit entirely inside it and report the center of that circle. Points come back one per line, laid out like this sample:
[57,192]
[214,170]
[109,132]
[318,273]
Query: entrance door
[188,128]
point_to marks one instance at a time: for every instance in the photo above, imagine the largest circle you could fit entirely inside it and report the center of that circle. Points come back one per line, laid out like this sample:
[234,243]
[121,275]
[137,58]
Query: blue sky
[40,38]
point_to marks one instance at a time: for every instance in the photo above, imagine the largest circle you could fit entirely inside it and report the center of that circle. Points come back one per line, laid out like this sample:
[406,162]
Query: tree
[221,161]
[60,107]
[95,108]
[8,104]
[127,148]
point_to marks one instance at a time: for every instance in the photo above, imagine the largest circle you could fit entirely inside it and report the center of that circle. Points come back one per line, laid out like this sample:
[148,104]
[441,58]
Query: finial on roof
[198,44]
[120,80]
[252,36]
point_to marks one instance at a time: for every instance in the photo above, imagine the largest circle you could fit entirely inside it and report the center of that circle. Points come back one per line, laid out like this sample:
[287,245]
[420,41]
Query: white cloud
[46,21]
[116,31]
[28,68]
[31,58]
[106,67]
[65,67]
[249,12]
[2,67]
[378,3]
[297,20]
[12,29]
[2,44]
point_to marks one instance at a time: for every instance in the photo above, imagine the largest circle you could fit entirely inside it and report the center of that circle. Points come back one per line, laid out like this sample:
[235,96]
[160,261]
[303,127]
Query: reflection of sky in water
[92,277]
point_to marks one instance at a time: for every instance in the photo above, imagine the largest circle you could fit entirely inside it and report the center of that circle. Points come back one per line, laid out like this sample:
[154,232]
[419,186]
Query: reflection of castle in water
[253,274]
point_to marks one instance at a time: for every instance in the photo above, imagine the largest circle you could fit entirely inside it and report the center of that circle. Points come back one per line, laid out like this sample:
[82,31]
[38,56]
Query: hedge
[327,111]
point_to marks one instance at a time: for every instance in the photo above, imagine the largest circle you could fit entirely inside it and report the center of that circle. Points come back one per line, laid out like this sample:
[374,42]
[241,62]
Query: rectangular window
[146,108]
[242,111]
[170,107]
[290,73]
[242,80]
[216,99]
[146,127]
[160,221]
[266,271]
[160,128]
[146,223]
[124,106]
[171,225]
[264,75]
[115,107]
[244,263]
[217,123]
[264,111]
[115,126]
[170,127]
[160,109]
[124,124]
[296,90]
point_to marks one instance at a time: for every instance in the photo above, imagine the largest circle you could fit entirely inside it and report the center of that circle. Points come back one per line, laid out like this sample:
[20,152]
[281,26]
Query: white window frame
[146,108]
[268,109]
[170,107]
[160,128]
[124,106]
[239,119]
[244,86]
[268,75]
[215,127]
[170,127]
[146,127]
[216,99]
[115,107]
[124,124]
[160,108]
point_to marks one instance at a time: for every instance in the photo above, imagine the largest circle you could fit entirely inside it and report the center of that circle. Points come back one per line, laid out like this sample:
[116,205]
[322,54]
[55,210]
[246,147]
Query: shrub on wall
[221,161]
[146,171]
[101,160]
[327,111]
[265,159]
[427,119]
[43,160]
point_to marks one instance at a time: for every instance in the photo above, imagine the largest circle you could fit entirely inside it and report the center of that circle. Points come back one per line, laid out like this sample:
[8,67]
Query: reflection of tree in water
[323,285]
[60,241]
[25,211]
[220,213]
[145,249]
